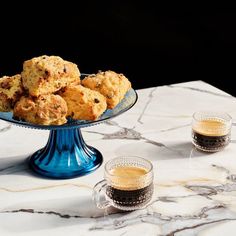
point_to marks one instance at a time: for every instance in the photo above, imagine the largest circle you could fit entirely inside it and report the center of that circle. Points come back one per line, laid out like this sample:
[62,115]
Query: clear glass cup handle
[99,195]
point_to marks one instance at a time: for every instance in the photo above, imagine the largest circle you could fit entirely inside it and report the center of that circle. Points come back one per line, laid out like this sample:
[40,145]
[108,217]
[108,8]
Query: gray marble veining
[195,192]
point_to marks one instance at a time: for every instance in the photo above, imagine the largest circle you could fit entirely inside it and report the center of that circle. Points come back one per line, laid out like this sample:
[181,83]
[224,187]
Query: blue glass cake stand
[66,155]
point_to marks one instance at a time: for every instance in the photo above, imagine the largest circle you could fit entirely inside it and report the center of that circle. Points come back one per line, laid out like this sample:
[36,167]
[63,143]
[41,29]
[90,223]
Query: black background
[151,46]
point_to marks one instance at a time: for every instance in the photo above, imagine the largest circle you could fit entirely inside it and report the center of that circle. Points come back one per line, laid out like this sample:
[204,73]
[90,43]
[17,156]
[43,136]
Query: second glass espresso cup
[211,131]
[127,184]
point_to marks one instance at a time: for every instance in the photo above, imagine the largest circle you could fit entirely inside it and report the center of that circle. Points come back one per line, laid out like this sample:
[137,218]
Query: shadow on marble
[188,150]
[14,165]
[182,150]
[17,165]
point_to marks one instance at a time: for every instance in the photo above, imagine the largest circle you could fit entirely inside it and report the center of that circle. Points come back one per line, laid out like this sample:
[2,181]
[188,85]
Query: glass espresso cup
[127,184]
[211,131]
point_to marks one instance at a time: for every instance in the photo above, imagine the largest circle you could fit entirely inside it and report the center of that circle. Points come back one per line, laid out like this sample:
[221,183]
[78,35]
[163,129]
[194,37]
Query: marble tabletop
[195,192]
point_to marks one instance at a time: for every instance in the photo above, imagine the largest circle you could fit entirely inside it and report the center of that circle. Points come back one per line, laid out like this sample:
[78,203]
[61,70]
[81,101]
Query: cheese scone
[48,74]
[112,85]
[83,103]
[43,110]
[10,90]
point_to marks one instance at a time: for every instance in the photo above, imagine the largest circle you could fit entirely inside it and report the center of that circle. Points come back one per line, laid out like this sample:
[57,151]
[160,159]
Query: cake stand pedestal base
[65,155]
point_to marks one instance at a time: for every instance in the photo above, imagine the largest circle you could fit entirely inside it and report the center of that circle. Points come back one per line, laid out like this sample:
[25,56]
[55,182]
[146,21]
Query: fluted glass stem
[65,155]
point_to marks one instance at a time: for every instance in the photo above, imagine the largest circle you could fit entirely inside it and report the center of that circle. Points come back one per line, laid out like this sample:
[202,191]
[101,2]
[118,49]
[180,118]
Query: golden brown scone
[48,74]
[44,110]
[110,84]
[83,103]
[10,90]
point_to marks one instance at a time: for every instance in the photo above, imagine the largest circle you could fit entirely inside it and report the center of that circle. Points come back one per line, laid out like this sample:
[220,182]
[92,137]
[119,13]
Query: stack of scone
[49,90]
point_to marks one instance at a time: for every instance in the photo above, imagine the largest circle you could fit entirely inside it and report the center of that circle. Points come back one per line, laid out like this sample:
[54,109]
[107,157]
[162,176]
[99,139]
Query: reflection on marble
[195,192]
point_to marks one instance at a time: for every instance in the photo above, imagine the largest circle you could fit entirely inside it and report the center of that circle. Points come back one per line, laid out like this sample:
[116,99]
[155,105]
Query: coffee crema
[129,186]
[210,135]
[211,128]
[128,171]
[125,177]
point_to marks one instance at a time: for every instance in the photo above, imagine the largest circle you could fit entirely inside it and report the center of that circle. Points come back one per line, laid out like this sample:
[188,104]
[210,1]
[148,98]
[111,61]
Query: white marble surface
[195,192]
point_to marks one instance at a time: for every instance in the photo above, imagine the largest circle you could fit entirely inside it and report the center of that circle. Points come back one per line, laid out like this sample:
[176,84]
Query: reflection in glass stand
[66,155]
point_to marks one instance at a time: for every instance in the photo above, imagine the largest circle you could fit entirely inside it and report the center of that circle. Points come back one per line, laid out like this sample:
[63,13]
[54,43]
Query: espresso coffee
[127,184]
[210,135]
[129,187]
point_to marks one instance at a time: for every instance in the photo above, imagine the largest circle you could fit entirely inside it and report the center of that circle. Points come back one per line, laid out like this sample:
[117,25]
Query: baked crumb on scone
[43,110]
[48,74]
[83,103]
[112,85]
[10,91]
